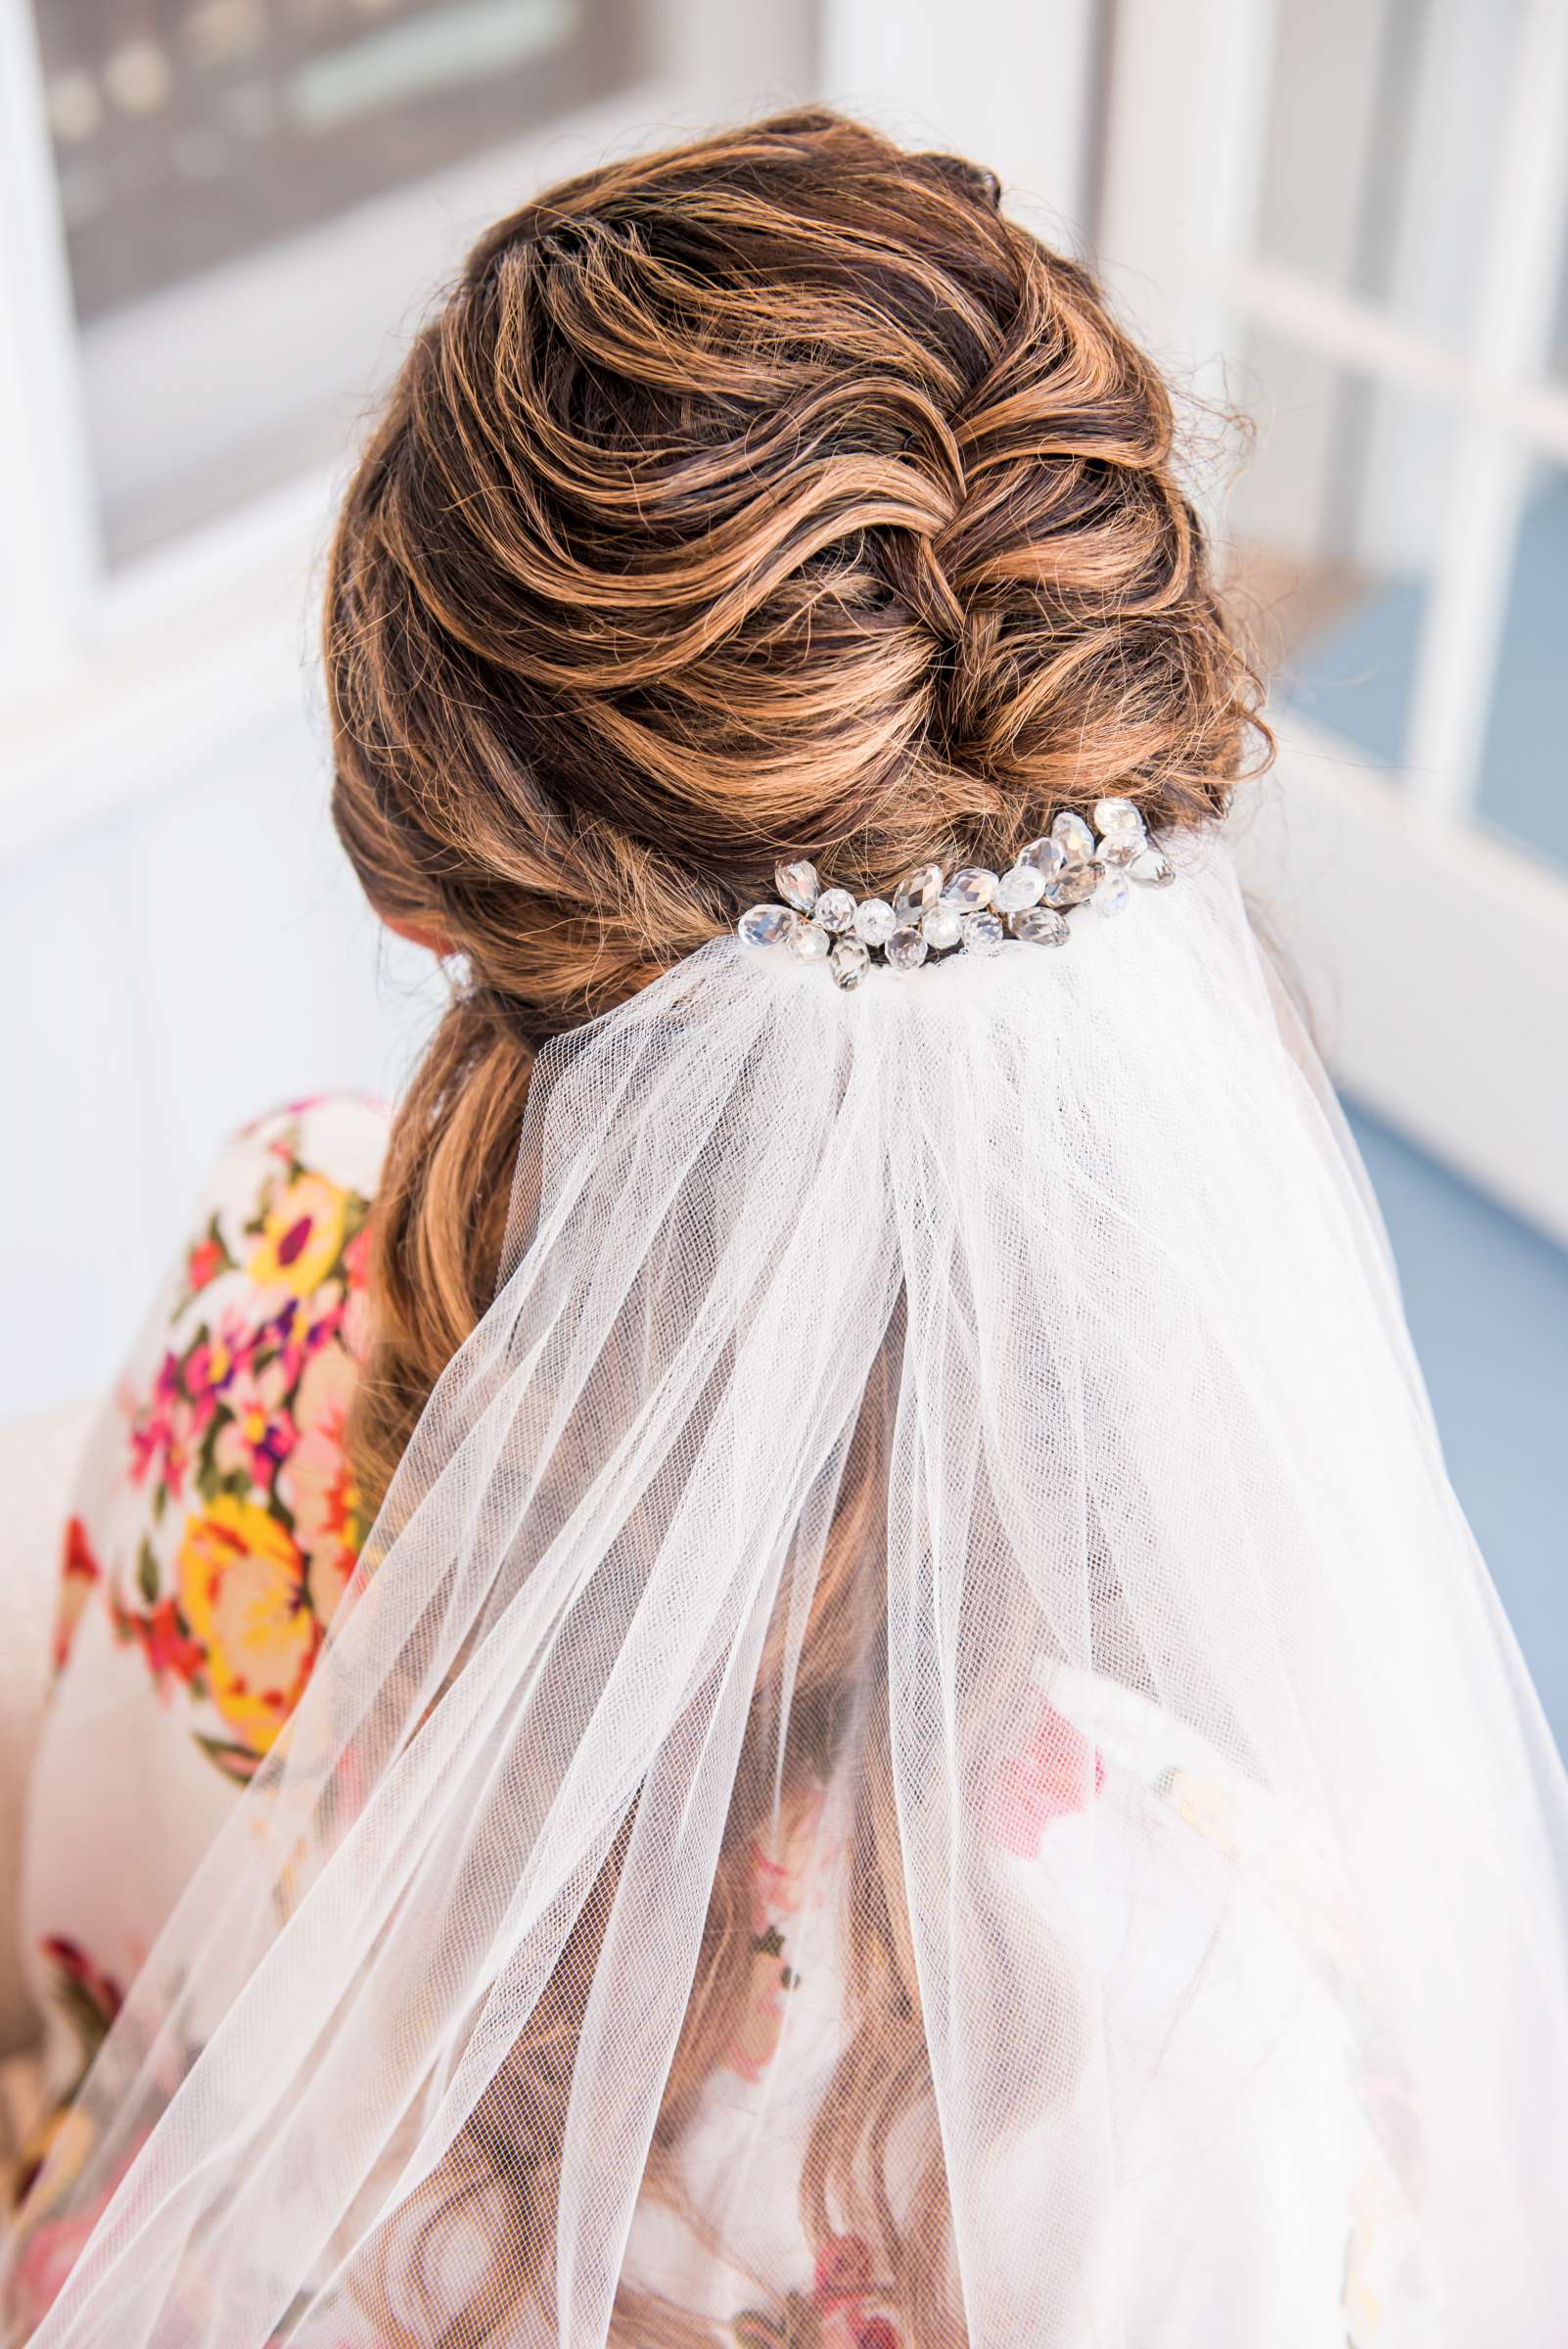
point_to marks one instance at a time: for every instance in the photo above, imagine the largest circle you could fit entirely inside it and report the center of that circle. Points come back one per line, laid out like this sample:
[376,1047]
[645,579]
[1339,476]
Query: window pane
[191,132]
[259,194]
[1334,528]
[1523,790]
[1385,118]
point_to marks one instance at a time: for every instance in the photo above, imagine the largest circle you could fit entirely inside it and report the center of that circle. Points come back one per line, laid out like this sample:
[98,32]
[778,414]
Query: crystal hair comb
[971,911]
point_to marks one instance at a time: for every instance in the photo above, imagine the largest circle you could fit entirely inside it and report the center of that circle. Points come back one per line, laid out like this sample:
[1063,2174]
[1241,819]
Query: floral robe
[216,1528]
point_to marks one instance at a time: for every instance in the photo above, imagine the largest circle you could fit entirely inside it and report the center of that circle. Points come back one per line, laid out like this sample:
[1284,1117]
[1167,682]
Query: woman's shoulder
[341,1138]
[274,1256]
[219,1512]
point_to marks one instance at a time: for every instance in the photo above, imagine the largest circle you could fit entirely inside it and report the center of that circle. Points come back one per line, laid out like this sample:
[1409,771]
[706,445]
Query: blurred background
[218,222]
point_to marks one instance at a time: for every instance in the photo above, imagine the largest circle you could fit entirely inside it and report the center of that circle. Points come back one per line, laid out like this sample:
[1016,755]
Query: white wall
[168,971]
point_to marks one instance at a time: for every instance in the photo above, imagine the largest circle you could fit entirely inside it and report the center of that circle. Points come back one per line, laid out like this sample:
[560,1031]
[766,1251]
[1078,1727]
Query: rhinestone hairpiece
[970,911]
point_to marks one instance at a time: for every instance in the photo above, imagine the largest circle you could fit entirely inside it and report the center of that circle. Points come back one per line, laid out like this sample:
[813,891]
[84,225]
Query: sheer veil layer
[1048,1287]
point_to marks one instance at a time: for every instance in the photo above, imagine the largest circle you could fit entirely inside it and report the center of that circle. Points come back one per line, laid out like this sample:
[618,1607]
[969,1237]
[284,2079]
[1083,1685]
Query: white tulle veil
[1054,1277]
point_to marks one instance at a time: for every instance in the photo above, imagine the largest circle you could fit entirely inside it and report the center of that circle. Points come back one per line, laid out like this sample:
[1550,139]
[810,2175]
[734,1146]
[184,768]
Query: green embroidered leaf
[160,1501]
[798,2324]
[236,1761]
[146,1572]
[85,2017]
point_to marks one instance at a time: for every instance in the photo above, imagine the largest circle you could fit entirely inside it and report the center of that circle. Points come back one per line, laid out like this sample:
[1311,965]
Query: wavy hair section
[775,493]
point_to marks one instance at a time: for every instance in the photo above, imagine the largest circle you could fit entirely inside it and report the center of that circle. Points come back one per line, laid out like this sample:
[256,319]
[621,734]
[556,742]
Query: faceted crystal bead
[942,927]
[1152,870]
[1024,886]
[970,888]
[850,961]
[798,885]
[1117,815]
[983,933]
[906,949]
[1079,881]
[1041,926]
[1112,894]
[1120,848]
[1073,837]
[917,892]
[810,942]
[875,921]
[766,925]
[1049,855]
[835,910]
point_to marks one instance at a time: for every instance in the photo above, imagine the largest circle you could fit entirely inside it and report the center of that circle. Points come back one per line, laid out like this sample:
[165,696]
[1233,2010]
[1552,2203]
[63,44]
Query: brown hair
[775,494]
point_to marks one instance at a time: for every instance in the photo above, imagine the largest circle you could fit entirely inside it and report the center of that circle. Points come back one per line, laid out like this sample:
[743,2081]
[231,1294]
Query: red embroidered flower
[79,1573]
[203,1264]
[875,2333]
[160,1635]
[1055,1775]
[843,2268]
[71,1961]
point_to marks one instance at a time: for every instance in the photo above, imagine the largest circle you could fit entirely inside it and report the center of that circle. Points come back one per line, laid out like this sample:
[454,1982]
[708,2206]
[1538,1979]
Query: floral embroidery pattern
[80,1575]
[1385,2258]
[785,1873]
[252,1522]
[840,2313]
[1056,1772]
[88,1998]
[88,2001]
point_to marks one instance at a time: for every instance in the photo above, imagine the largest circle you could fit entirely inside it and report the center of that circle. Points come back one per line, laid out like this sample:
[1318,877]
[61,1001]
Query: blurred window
[1349,220]
[1404,346]
[229,176]
[1383,128]
[1523,785]
[1335,531]
[189,132]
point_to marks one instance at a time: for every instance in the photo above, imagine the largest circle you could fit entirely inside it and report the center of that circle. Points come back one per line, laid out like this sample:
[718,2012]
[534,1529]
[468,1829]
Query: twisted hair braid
[775,494]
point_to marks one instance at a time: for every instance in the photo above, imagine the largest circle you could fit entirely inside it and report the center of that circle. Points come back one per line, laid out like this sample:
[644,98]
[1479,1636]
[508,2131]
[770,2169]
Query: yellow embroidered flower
[242,1588]
[301,1237]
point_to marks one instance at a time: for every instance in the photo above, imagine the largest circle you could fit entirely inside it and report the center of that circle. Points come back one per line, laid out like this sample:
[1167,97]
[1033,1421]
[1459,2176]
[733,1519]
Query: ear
[432,942]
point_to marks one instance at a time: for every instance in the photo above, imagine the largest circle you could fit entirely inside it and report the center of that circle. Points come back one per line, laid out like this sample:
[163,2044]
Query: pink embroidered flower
[1055,1775]
[261,1433]
[845,2280]
[214,1362]
[784,1875]
[152,1430]
[161,1446]
[303,1327]
[48,2254]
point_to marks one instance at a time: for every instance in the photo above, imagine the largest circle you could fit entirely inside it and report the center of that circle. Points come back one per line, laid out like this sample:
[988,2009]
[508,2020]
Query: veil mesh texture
[919,1743]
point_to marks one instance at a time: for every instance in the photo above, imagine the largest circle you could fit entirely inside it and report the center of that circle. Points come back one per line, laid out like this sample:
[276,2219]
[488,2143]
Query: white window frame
[114,680]
[1436,952]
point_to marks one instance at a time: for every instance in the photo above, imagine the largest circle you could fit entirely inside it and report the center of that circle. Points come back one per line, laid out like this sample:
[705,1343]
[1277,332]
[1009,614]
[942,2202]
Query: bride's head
[773,496]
